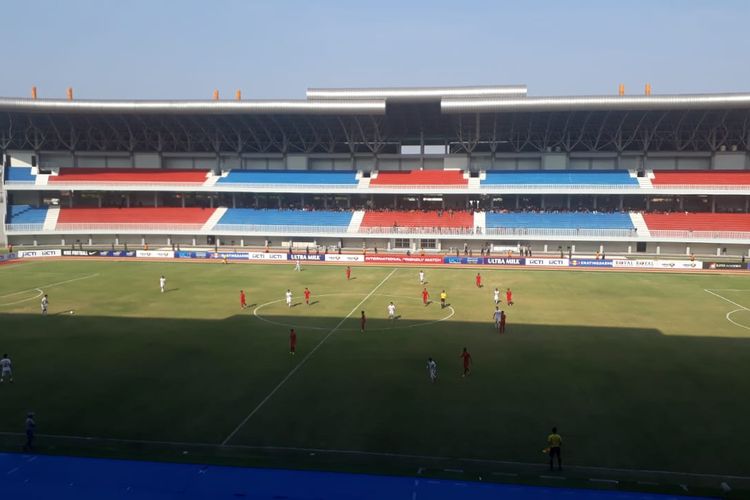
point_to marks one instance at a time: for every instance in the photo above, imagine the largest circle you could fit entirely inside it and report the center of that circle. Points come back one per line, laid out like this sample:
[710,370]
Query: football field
[637,370]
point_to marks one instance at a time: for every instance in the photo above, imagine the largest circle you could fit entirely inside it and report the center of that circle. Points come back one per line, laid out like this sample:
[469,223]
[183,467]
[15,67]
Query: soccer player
[30,428]
[502,321]
[496,295]
[6,366]
[479,280]
[391,311]
[443,298]
[292,341]
[162,283]
[421,277]
[554,441]
[432,370]
[298,266]
[243,300]
[509,297]
[45,304]
[289,298]
[307,296]
[362,322]
[467,362]
[348,273]
[425,296]
[497,316]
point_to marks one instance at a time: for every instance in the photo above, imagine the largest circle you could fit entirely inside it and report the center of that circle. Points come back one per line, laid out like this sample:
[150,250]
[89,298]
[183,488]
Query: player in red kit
[348,272]
[243,300]
[307,296]
[509,297]
[479,280]
[362,322]
[467,362]
[425,296]
[292,341]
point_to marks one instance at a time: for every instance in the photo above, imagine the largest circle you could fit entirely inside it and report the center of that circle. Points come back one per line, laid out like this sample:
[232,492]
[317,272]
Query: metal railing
[277,228]
[398,230]
[115,226]
[24,228]
[709,235]
[557,232]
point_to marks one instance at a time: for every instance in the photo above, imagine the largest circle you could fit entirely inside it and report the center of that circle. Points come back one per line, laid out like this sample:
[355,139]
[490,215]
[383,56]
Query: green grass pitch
[638,370]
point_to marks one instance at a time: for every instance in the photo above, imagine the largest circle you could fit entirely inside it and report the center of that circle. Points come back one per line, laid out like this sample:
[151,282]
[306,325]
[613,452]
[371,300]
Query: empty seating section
[255,217]
[530,220]
[445,219]
[562,177]
[129,175]
[420,178]
[19,174]
[702,178]
[288,177]
[680,221]
[26,214]
[139,215]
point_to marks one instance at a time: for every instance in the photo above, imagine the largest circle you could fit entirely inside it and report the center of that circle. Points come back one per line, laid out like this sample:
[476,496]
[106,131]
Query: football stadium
[292,286]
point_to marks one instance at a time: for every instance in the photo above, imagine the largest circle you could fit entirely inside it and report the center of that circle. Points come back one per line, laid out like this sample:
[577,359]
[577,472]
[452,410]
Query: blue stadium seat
[288,177]
[26,214]
[560,220]
[562,177]
[19,174]
[253,217]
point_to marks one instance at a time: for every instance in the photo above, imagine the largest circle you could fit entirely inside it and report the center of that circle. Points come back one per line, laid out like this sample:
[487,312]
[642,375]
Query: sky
[184,49]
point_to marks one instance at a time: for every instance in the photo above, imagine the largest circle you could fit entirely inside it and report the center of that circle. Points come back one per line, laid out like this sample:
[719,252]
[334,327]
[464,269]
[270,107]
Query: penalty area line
[304,360]
[50,285]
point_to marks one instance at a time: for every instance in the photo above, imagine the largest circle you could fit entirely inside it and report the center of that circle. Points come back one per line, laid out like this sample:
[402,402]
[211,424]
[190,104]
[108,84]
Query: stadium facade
[391,168]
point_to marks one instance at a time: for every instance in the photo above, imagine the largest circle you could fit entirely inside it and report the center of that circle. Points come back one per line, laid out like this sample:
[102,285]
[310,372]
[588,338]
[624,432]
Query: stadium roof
[484,119]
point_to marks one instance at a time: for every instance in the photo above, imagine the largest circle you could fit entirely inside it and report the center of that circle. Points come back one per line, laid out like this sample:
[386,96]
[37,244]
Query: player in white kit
[432,369]
[298,266]
[421,277]
[391,311]
[289,298]
[45,304]
[6,369]
[162,284]
[496,294]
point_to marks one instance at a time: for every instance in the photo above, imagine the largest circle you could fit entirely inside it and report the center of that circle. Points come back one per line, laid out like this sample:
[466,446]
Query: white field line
[729,314]
[24,300]
[383,454]
[50,285]
[304,360]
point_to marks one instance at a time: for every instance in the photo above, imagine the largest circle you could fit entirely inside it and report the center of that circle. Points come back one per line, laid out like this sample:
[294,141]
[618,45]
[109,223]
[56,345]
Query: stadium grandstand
[400,169]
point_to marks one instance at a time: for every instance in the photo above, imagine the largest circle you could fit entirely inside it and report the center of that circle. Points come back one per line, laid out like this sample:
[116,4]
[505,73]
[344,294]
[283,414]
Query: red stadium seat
[128,175]
[138,215]
[418,219]
[420,178]
[680,221]
[702,178]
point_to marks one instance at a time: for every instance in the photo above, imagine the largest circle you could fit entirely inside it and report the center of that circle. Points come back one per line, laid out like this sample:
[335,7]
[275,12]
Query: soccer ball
[72,312]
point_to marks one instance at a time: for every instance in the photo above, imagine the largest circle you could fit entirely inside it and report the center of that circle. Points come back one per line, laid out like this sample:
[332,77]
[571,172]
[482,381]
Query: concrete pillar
[127,200]
[388,246]
[545,248]
[99,200]
[195,243]
[348,202]
[622,203]
[630,249]
[541,203]
[91,241]
[35,242]
[169,240]
[438,245]
[648,203]
[218,241]
[278,199]
[419,202]
[573,248]
[234,200]
[747,205]
[182,199]
[518,201]
[713,204]
[718,251]
[62,242]
[568,202]
[210,202]
[143,240]
[601,249]
[595,199]
[681,202]
[117,240]
[325,201]
[687,250]
[658,249]
[156,199]
[395,201]
[302,200]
